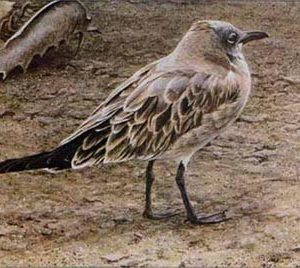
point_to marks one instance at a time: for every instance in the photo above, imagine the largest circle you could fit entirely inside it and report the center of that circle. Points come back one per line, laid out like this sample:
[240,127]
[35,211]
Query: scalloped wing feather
[145,124]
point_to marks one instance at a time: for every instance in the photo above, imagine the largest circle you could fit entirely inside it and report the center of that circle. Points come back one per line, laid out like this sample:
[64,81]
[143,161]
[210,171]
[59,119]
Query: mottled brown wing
[153,118]
[94,132]
[113,102]
[150,119]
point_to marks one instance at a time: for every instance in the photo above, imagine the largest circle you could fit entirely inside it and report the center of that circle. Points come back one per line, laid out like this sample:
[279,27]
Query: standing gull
[167,110]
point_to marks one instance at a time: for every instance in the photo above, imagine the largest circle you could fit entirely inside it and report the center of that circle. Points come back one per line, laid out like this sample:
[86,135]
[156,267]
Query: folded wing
[145,117]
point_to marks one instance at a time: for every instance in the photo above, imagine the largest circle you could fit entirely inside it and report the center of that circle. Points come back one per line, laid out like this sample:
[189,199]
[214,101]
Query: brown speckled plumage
[150,116]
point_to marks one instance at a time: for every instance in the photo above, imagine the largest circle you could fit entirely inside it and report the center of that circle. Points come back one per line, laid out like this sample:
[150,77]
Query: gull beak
[251,36]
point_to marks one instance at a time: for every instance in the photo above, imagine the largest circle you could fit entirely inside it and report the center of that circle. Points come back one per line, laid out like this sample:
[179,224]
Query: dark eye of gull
[232,38]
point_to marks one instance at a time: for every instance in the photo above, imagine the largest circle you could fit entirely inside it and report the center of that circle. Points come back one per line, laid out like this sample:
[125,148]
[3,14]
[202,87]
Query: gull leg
[148,213]
[191,215]
[80,39]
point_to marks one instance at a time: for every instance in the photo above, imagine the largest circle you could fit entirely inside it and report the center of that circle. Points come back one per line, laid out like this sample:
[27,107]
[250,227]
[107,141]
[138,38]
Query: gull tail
[58,159]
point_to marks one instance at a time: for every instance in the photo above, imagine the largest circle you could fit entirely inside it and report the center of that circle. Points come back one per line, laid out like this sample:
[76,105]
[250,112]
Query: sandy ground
[93,217]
